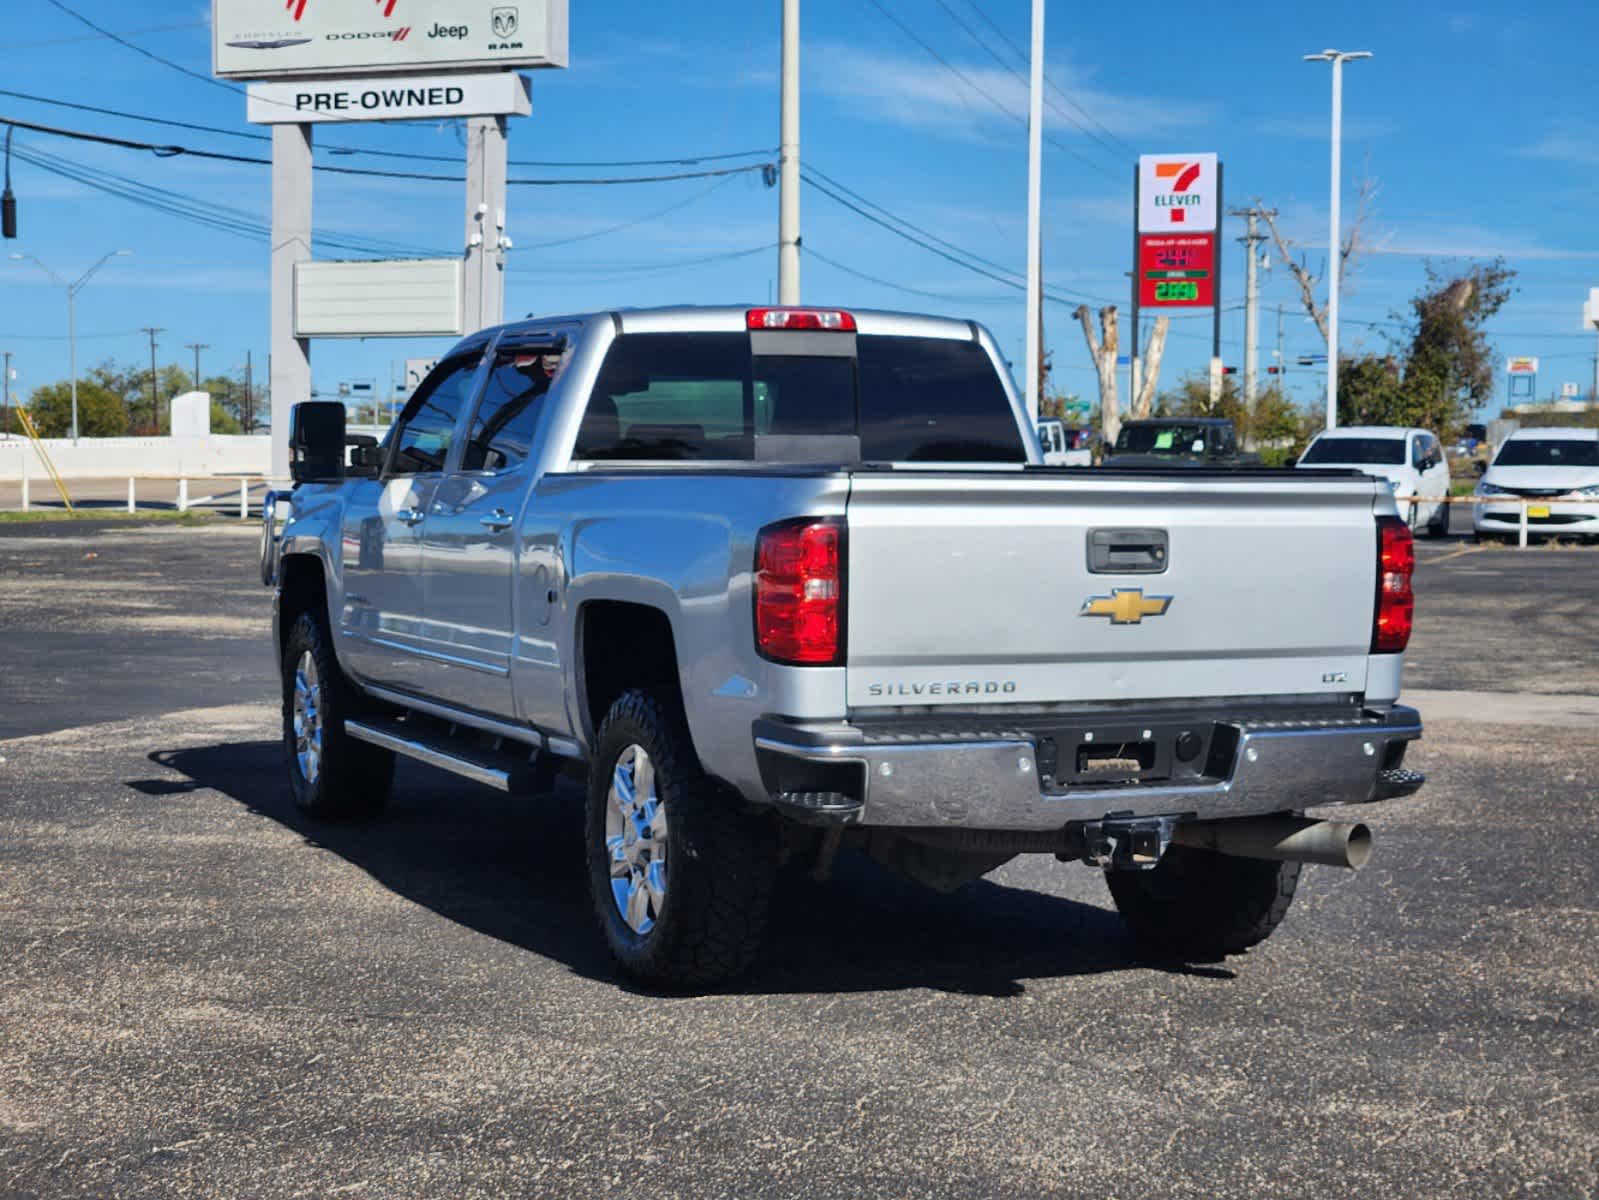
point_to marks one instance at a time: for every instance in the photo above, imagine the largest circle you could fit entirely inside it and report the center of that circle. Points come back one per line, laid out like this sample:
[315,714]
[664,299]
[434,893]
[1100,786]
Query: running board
[393,736]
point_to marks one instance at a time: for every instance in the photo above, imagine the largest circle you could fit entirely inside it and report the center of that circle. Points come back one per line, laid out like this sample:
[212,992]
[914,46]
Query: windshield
[707,396]
[1161,439]
[1374,451]
[1548,452]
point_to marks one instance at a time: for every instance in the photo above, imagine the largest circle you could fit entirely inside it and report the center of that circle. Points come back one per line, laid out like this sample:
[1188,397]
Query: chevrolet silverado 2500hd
[781,581]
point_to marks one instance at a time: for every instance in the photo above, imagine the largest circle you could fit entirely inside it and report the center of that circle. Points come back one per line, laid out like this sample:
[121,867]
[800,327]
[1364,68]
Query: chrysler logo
[1125,606]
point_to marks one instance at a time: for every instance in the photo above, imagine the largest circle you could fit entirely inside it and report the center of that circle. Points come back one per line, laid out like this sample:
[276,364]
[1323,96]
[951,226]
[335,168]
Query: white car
[1411,460]
[1555,472]
[1056,445]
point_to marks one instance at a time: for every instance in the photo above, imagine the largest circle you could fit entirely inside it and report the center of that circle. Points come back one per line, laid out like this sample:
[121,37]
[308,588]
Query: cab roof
[1556,433]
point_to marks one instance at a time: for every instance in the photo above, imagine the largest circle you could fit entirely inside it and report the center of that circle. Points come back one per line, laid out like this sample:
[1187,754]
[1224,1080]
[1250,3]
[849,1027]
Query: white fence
[138,458]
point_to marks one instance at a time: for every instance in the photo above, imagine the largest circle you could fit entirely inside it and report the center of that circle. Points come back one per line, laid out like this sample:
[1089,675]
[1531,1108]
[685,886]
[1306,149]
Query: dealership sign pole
[1177,198]
[313,61]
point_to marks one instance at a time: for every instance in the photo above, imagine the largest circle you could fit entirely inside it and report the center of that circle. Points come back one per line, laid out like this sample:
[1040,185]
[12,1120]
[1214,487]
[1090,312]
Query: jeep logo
[505,22]
[457,32]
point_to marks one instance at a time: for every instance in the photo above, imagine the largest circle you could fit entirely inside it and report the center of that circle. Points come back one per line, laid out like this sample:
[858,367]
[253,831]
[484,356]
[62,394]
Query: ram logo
[505,22]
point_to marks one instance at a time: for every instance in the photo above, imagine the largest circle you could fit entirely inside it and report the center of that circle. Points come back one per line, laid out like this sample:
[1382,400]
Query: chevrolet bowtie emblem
[1125,606]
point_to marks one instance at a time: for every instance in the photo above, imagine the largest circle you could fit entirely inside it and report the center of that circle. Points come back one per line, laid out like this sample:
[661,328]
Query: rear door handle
[498,520]
[410,516]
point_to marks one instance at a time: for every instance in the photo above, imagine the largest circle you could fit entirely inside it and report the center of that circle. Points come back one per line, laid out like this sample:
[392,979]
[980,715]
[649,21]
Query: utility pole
[155,409]
[788,212]
[1252,299]
[197,347]
[1035,231]
[249,397]
[6,408]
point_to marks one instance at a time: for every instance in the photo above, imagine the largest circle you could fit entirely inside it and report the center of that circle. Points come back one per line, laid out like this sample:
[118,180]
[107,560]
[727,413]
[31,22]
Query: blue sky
[1476,124]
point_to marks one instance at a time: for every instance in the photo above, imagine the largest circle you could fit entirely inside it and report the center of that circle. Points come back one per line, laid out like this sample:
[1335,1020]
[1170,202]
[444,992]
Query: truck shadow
[513,870]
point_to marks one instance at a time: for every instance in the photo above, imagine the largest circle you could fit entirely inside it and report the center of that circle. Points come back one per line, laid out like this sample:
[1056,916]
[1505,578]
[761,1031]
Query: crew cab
[779,583]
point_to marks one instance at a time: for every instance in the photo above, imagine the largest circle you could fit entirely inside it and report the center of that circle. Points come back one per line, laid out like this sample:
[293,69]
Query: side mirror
[1481,465]
[316,442]
[1291,461]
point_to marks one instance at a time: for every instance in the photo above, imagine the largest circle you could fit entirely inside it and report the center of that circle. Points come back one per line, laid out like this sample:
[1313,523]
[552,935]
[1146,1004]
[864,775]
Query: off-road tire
[721,859]
[1202,906]
[354,778]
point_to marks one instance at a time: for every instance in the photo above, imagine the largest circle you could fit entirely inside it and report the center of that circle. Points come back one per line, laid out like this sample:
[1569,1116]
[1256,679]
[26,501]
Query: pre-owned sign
[263,39]
[1177,193]
[1177,270]
[393,98]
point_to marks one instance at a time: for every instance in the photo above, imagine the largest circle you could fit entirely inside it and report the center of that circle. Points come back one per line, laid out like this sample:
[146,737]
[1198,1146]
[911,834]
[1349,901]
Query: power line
[94,37]
[1050,83]
[597,271]
[892,216]
[931,247]
[811,251]
[1014,73]
[983,92]
[333,148]
[138,49]
[174,151]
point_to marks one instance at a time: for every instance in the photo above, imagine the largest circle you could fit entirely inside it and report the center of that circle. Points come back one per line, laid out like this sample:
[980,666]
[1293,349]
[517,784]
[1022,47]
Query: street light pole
[73,288]
[1334,241]
[788,166]
[1035,187]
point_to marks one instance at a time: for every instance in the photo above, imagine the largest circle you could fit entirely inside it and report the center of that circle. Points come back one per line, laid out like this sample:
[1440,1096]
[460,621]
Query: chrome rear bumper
[994,782]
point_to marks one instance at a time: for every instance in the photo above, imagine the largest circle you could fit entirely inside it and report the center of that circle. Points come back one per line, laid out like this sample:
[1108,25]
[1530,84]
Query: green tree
[1444,367]
[101,412]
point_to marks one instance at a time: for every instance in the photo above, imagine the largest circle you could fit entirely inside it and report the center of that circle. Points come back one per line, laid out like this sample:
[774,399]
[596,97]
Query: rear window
[1548,452]
[1174,440]
[705,396]
[1372,451]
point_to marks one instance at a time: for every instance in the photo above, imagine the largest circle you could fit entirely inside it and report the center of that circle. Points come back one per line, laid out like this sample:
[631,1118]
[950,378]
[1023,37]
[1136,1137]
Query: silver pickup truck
[781,582]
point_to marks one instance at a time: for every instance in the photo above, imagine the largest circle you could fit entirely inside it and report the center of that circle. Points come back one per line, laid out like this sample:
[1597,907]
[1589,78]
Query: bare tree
[1354,244]
[1103,350]
[1149,371]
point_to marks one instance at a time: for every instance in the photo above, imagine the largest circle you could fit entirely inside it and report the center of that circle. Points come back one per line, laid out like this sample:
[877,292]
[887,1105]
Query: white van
[1411,460]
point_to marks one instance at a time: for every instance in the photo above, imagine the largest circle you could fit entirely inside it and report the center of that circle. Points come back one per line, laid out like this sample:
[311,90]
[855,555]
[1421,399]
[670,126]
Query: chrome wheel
[308,718]
[636,840]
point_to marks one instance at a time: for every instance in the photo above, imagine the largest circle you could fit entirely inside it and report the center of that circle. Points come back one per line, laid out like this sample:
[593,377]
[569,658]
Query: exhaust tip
[1358,846]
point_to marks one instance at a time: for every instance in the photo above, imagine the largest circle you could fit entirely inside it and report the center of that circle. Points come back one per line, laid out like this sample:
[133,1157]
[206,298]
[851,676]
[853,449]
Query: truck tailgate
[975,587]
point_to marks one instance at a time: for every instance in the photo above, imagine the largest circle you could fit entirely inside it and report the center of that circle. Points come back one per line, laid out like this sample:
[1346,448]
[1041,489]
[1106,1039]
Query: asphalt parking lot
[203,994]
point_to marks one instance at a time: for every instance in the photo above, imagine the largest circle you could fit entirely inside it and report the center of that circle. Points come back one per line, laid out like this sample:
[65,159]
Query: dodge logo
[505,22]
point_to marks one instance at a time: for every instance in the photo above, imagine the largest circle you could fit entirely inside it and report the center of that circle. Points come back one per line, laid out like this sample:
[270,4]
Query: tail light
[828,320]
[799,592]
[1396,603]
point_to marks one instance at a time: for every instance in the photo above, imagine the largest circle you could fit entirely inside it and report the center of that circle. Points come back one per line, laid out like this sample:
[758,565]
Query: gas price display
[1177,270]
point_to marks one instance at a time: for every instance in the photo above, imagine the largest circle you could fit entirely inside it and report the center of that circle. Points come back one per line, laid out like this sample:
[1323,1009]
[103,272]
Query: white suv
[1411,460]
[1554,472]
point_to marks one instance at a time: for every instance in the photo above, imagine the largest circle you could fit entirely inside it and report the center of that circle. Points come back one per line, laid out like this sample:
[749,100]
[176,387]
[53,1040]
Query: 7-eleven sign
[1177,193]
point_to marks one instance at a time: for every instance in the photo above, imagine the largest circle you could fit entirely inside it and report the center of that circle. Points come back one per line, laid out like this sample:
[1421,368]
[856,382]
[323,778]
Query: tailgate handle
[1127,551]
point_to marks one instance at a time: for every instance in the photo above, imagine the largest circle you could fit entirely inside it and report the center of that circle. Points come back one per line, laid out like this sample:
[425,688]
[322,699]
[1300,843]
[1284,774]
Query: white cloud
[1567,143]
[1469,241]
[978,100]
[1317,127]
